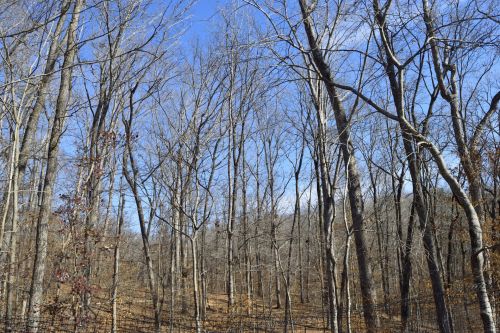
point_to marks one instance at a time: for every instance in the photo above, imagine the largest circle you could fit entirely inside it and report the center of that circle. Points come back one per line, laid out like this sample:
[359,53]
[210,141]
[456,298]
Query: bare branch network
[249,166]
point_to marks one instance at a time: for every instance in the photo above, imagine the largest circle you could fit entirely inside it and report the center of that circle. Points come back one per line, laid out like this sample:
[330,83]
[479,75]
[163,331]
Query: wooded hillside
[249,165]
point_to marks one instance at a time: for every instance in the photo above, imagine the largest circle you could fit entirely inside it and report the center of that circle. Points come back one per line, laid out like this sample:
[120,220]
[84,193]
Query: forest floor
[136,316]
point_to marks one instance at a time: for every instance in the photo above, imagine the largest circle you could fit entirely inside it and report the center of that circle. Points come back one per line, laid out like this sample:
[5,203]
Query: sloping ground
[135,316]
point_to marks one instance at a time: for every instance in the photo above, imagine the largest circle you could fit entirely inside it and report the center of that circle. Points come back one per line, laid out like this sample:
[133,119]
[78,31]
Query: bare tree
[223,178]
[355,196]
[133,180]
[36,291]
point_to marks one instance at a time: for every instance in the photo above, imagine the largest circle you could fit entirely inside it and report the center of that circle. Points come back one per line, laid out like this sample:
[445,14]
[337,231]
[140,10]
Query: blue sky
[202,13]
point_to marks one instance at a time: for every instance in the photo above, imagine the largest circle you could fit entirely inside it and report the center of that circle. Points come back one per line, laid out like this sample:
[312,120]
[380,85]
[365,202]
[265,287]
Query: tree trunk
[421,205]
[354,184]
[194,258]
[132,182]
[296,222]
[116,263]
[246,237]
[12,266]
[36,290]
[406,274]
[468,155]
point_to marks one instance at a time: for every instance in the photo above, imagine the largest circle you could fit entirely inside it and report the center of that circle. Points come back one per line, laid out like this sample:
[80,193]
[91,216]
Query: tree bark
[194,258]
[132,182]
[354,182]
[116,263]
[36,290]
[473,205]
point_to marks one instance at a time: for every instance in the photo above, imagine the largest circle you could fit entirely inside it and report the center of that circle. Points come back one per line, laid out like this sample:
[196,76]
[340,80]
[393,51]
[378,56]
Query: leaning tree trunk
[476,236]
[42,91]
[132,181]
[468,158]
[396,79]
[36,290]
[354,180]
[475,230]
[296,222]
